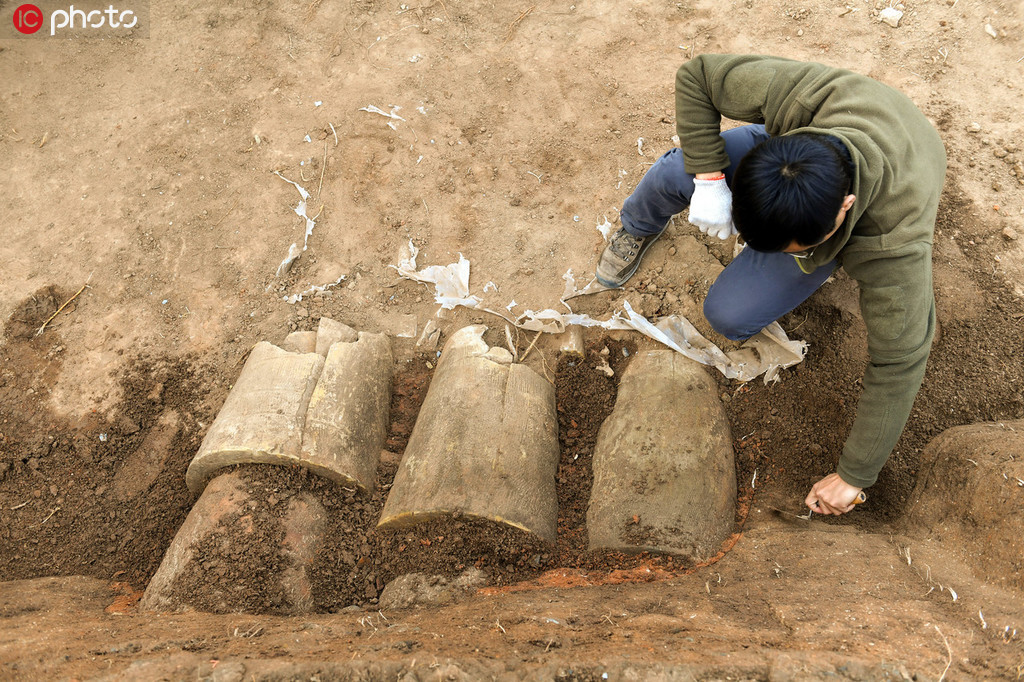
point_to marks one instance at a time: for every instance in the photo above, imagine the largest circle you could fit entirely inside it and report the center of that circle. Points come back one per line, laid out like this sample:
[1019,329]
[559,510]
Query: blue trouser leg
[666,187]
[756,288]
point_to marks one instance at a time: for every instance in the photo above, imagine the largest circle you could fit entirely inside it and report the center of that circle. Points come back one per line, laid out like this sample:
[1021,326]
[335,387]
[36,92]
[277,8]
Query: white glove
[711,208]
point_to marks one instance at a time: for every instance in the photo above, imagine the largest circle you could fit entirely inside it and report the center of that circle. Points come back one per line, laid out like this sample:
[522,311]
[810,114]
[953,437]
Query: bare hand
[832,495]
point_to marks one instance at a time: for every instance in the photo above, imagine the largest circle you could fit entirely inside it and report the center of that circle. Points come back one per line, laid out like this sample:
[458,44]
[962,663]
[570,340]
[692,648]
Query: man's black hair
[790,189]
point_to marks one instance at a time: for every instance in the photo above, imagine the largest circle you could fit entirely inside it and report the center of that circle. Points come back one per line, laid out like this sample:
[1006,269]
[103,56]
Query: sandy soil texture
[146,210]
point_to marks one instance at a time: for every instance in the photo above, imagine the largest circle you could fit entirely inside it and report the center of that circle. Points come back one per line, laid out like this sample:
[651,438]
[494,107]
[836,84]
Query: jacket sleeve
[747,88]
[898,307]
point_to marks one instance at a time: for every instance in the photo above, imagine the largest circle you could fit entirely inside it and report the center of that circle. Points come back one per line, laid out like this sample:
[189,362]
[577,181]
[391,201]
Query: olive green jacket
[885,243]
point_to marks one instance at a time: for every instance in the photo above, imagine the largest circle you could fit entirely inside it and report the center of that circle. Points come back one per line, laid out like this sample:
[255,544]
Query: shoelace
[624,244]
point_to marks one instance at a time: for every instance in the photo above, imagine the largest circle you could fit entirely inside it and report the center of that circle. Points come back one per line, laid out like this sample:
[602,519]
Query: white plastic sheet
[393,114]
[766,353]
[315,289]
[451,282]
[294,251]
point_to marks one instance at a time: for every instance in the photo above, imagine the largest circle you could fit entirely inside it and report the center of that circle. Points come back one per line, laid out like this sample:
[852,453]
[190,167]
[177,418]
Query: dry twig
[548,374]
[512,26]
[66,303]
[323,168]
[530,347]
[312,8]
[224,217]
[949,653]
[511,344]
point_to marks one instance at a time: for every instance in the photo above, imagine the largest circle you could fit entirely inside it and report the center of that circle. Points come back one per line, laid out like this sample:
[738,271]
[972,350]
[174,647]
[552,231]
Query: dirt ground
[140,182]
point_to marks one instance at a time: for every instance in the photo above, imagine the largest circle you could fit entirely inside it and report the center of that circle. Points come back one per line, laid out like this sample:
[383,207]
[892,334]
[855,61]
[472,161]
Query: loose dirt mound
[101,495]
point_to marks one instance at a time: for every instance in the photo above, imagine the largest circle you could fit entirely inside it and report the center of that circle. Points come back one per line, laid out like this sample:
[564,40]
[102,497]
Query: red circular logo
[28,19]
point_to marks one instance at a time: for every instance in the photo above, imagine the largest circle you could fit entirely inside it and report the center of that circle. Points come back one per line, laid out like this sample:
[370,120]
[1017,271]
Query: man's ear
[848,201]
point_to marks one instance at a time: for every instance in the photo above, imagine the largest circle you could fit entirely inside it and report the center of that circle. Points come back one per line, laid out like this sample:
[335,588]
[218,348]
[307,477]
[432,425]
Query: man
[837,170]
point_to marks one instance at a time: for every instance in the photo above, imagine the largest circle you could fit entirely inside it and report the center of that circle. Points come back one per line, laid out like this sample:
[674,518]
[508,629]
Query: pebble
[815,449]
[1009,234]
[890,16]
[671,250]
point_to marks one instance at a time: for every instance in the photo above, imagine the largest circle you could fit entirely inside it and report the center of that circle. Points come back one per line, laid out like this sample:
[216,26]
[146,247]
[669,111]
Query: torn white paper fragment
[451,282]
[767,352]
[317,103]
[307,138]
[302,191]
[640,146]
[430,336]
[553,322]
[393,114]
[315,289]
[571,291]
[490,286]
[293,254]
[300,210]
[606,229]
[415,58]
[511,305]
